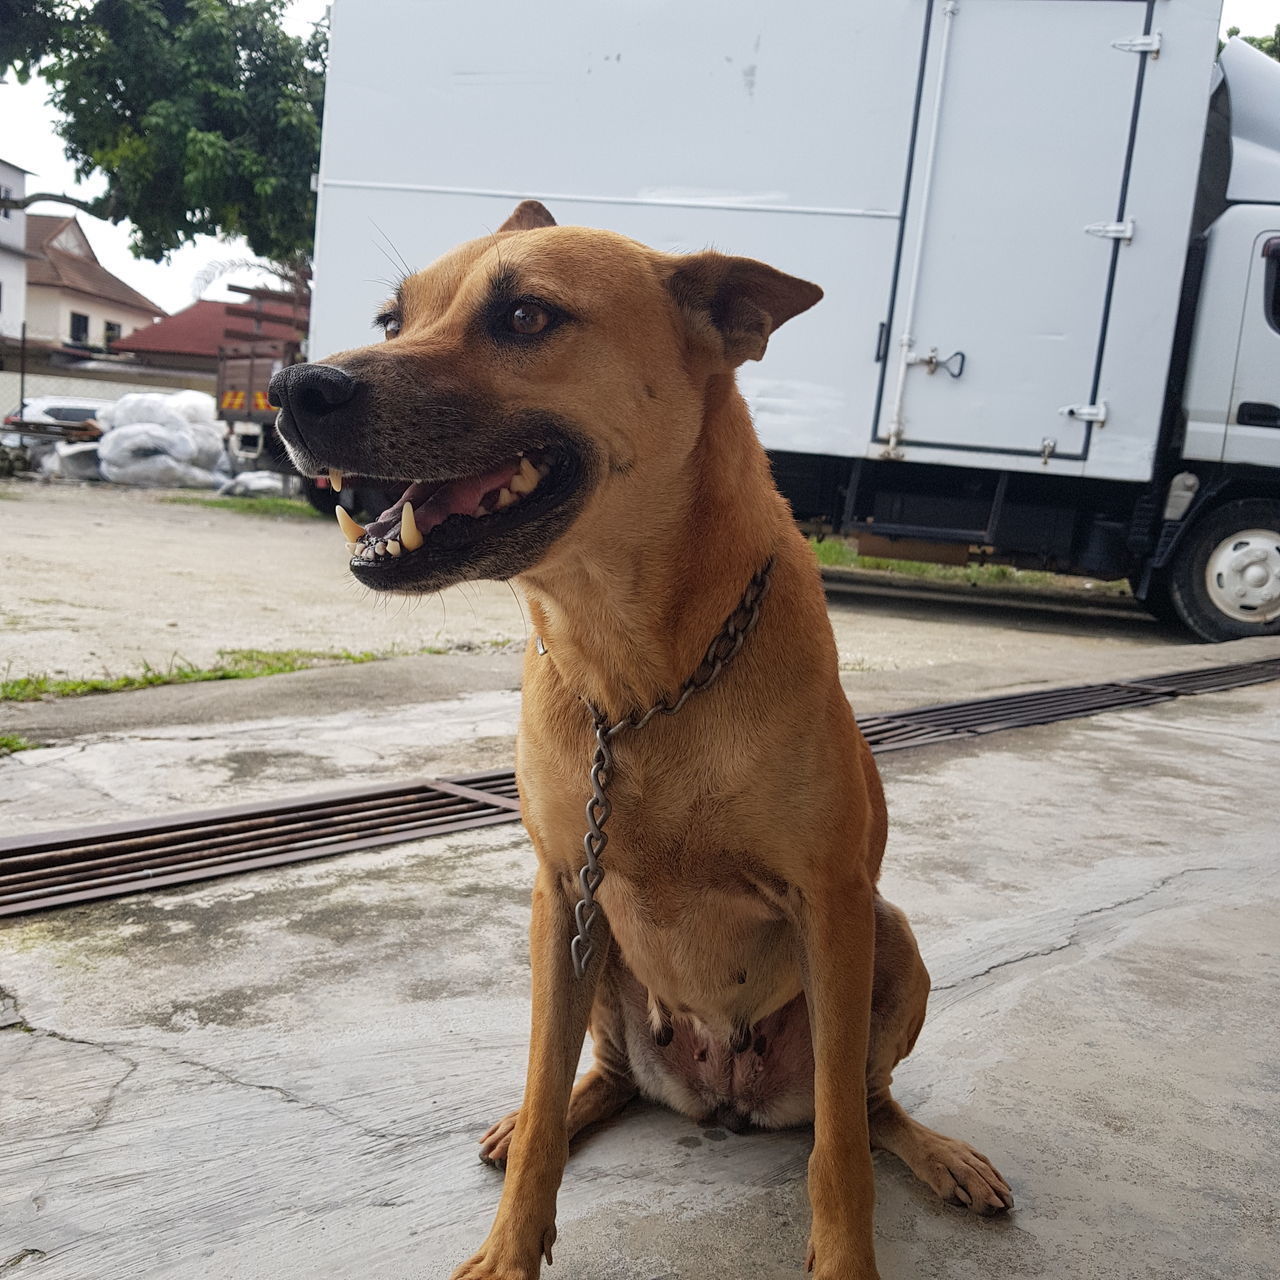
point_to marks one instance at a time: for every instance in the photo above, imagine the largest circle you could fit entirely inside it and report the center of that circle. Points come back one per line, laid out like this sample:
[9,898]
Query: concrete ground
[125,578]
[284,1074]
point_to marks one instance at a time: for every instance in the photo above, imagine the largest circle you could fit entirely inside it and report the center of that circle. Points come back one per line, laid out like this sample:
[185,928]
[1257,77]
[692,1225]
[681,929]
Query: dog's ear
[742,300]
[528,216]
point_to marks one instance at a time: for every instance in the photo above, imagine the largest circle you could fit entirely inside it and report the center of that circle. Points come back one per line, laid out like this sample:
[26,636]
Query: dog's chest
[701,932]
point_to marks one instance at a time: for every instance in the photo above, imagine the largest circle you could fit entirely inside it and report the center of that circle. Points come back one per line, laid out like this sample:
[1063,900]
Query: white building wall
[49,315]
[13,265]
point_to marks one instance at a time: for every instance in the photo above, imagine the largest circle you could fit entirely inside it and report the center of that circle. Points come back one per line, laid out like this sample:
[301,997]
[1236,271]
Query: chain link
[722,651]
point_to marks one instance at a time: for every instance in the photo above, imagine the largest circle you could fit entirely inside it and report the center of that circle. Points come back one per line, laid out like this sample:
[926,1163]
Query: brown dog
[563,403]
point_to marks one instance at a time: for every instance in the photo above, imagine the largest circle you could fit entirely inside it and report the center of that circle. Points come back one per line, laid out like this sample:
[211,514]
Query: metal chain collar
[722,651]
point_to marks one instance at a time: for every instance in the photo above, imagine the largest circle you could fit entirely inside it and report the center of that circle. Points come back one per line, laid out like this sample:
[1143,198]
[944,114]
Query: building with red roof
[72,299]
[191,338]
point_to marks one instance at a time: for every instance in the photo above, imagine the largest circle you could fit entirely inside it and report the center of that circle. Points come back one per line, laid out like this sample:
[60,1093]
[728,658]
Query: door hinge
[1112,230]
[1140,44]
[1086,412]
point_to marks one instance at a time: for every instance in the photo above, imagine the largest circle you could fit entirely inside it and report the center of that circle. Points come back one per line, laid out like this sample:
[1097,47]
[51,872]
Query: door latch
[953,364]
[1112,230]
[1086,412]
[1140,44]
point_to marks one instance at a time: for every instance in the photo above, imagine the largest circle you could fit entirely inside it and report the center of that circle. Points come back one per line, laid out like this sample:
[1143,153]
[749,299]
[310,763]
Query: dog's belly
[718,966]
[768,1084]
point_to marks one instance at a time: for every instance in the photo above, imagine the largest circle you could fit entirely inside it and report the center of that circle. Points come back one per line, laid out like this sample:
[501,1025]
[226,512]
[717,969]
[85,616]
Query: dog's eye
[391,327]
[528,318]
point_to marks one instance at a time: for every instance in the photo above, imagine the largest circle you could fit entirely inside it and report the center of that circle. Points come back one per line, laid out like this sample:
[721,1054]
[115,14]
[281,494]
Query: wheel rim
[1243,576]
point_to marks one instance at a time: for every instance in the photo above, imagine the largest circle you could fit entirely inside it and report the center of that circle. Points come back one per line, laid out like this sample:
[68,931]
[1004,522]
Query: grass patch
[288,508]
[837,553]
[233,664]
[14,742]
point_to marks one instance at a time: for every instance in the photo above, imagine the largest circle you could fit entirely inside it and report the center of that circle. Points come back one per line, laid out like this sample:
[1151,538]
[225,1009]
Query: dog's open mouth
[437,530]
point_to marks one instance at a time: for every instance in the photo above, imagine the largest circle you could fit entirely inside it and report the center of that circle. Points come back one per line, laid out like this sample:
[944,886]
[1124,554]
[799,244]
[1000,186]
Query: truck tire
[325,501]
[1158,603]
[361,503]
[1225,578]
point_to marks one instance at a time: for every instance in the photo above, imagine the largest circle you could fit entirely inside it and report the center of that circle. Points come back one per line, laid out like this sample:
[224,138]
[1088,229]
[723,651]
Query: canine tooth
[410,537]
[380,548]
[526,479]
[505,498]
[335,479]
[393,547]
[353,532]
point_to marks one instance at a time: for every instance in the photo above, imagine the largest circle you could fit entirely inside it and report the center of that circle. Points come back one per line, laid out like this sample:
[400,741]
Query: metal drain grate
[63,867]
[55,869]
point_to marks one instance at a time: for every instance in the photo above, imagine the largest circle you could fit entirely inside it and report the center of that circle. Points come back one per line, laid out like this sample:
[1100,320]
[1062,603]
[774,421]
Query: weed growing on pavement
[837,553]
[232,664]
[289,508]
[13,742]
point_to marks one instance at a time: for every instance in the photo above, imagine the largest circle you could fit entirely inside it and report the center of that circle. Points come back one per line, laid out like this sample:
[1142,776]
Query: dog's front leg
[837,934]
[524,1229]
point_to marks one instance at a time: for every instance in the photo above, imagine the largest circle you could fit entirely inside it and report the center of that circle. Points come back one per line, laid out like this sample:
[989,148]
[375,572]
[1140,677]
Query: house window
[110,333]
[6,193]
[79,328]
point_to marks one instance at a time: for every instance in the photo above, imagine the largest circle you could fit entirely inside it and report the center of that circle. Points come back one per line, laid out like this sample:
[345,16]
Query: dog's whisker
[404,266]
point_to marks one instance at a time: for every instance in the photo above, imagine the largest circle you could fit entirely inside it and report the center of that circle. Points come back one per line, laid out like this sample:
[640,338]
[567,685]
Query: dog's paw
[482,1267]
[963,1176]
[497,1140]
[496,1264]
[837,1271]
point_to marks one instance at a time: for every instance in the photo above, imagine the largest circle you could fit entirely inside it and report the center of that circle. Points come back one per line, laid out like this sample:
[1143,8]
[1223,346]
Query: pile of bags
[163,441]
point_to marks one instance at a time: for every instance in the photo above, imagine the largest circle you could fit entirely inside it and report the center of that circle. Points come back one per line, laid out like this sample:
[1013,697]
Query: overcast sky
[28,140]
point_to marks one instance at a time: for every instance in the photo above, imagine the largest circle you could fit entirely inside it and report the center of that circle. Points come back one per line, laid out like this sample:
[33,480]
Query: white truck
[1048,231]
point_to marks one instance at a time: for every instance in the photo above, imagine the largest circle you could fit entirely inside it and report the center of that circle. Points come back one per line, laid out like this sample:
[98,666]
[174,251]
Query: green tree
[202,115]
[1270,45]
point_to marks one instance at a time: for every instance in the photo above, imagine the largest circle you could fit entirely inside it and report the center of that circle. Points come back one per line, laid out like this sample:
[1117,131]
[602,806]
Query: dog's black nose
[308,393]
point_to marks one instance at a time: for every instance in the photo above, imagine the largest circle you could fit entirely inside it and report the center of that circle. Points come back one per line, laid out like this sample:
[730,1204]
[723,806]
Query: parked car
[50,421]
[50,411]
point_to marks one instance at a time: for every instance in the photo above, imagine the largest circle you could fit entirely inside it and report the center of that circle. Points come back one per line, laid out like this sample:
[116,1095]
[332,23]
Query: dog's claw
[496,1141]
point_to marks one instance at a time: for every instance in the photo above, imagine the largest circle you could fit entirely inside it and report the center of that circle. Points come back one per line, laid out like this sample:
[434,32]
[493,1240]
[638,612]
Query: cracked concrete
[285,1074]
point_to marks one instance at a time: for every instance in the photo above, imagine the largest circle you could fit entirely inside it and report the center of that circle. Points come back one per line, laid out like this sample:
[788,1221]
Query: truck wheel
[324,500]
[371,503]
[1225,579]
[1159,603]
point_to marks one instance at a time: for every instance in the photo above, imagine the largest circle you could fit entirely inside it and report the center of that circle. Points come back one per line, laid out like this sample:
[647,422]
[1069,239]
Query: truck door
[1253,423]
[1015,214]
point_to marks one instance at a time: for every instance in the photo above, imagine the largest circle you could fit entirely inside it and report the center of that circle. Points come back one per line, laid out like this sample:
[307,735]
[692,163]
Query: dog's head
[542,378]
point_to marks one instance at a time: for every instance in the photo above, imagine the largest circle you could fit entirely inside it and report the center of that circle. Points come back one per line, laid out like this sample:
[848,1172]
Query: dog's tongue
[434,504]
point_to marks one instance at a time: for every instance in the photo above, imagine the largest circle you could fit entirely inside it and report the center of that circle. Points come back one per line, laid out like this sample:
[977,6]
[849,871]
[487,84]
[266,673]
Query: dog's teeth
[351,531]
[410,536]
[526,479]
[393,547]
[505,498]
[478,512]
[380,548]
[335,479]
